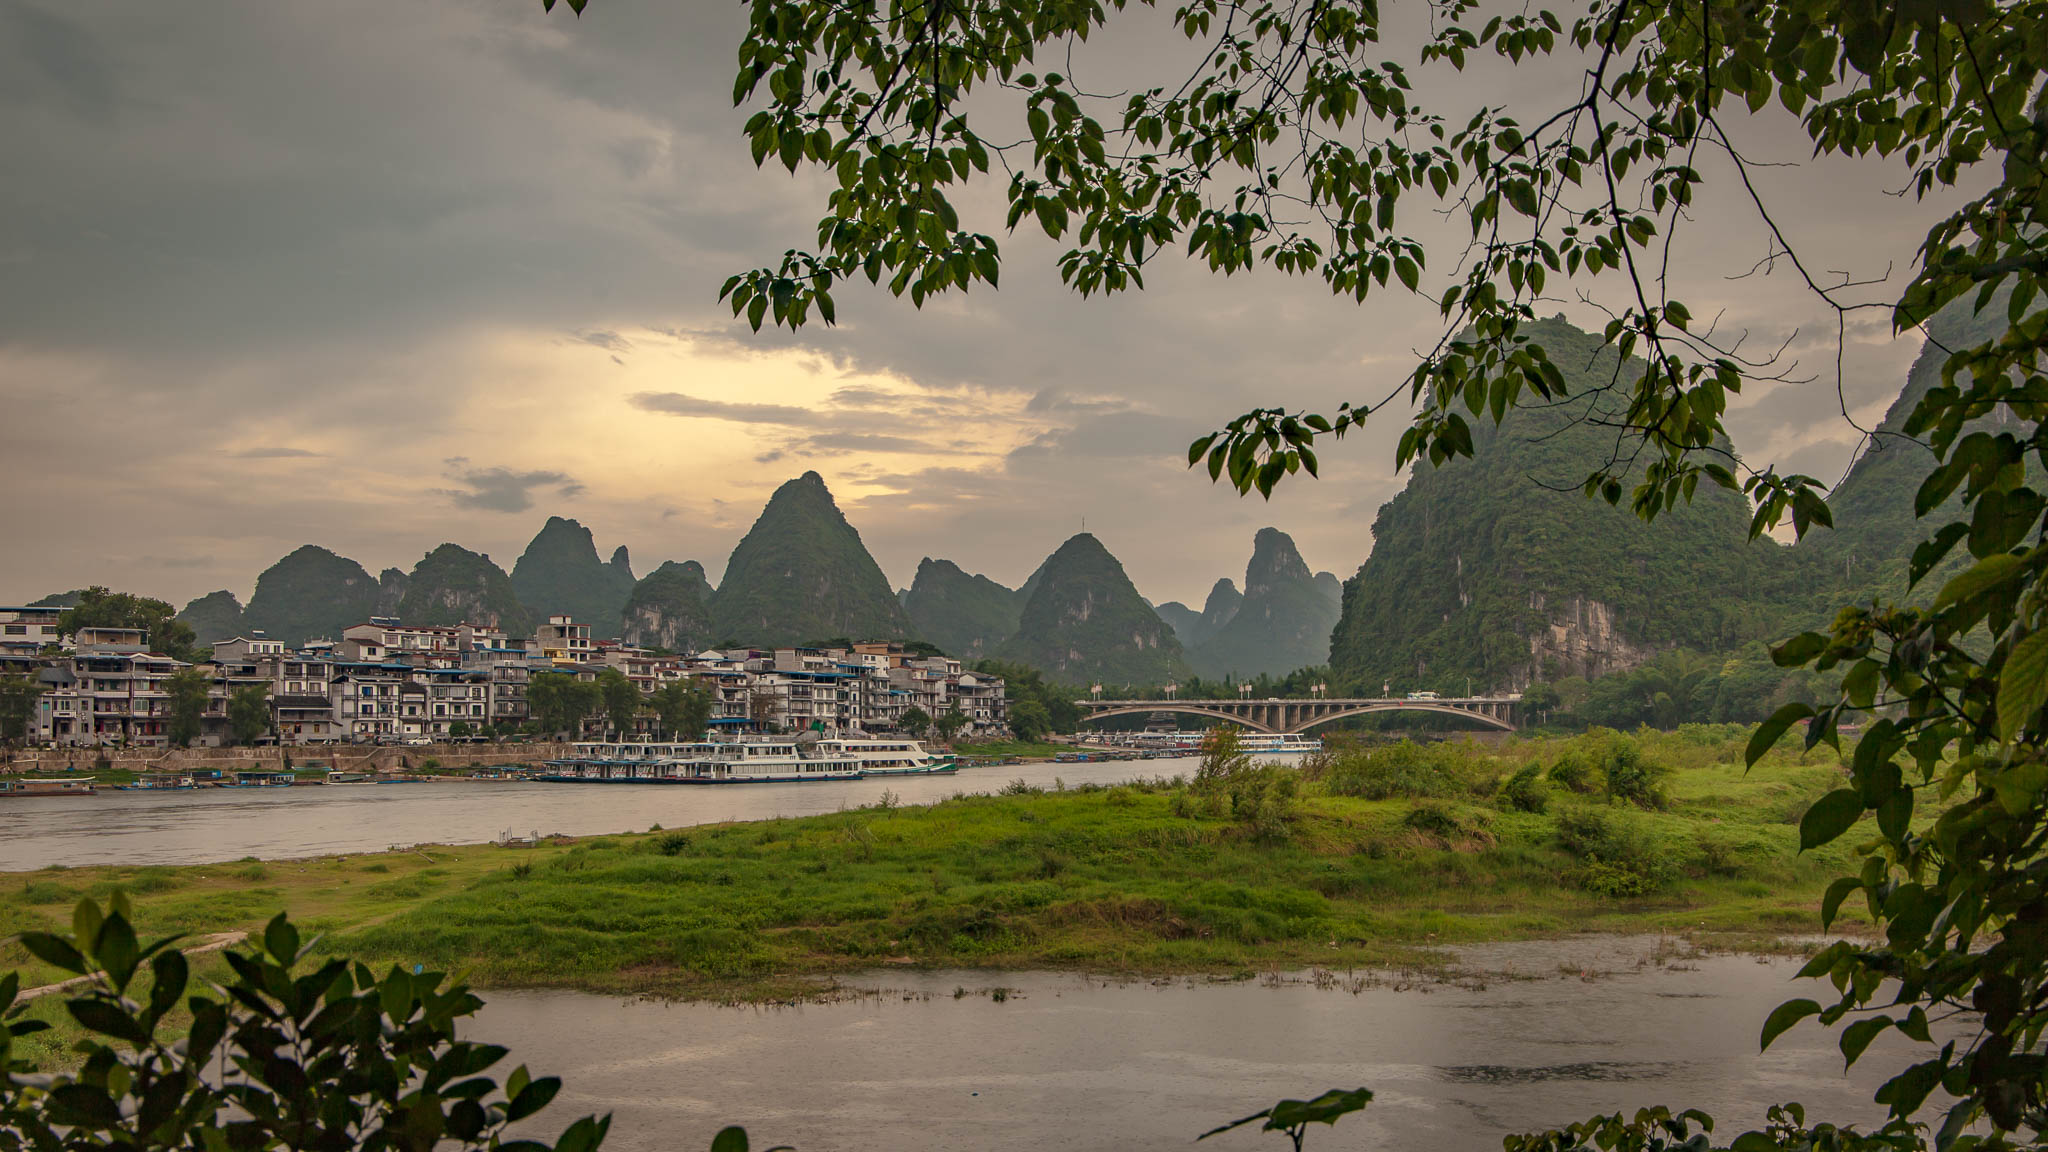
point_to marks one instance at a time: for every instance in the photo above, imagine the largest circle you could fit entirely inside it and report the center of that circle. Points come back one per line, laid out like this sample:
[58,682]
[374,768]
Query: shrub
[1435,819]
[1404,769]
[1632,777]
[1616,857]
[672,844]
[1525,791]
[1018,787]
[1572,773]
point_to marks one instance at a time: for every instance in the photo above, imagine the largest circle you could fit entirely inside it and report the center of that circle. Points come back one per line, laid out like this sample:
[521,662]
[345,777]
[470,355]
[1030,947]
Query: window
[17,629]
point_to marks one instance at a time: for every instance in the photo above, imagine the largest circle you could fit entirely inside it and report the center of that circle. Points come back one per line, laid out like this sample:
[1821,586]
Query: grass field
[1142,878]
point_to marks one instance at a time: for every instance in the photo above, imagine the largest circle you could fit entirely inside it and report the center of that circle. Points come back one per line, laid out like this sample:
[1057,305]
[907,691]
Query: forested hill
[801,574]
[560,574]
[1497,568]
[1085,621]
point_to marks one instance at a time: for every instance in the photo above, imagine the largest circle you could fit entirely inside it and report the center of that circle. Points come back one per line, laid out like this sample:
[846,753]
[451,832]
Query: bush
[1435,819]
[304,1075]
[1572,773]
[1405,769]
[672,844]
[1525,791]
[1632,777]
[1616,857]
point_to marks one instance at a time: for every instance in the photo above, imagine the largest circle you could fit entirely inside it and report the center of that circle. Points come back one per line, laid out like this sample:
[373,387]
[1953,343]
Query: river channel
[1555,1031]
[214,824]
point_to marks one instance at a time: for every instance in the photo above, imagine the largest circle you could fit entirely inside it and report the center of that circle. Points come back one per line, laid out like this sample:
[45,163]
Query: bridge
[1299,715]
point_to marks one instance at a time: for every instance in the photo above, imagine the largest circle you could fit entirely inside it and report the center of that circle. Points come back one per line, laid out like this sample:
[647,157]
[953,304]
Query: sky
[386,274]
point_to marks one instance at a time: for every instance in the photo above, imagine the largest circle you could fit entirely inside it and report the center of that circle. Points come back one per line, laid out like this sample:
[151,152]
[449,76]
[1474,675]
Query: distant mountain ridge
[669,609]
[452,585]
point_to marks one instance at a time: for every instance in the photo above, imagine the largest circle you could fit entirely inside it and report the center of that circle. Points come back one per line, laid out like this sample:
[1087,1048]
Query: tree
[99,608]
[1286,147]
[559,702]
[460,730]
[187,688]
[621,700]
[914,720]
[325,1054]
[249,712]
[761,709]
[17,707]
[684,707]
[949,723]
[1029,721]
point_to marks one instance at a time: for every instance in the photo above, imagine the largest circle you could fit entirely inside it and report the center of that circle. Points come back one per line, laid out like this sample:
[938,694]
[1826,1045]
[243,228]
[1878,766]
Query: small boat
[159,783]
[341,777]
[759,761]
[258,780]
[27,786]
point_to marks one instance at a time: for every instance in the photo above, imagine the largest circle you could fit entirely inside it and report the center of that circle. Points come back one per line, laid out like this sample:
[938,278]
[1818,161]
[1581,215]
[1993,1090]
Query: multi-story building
[120,689]
[24,634]
[563,641]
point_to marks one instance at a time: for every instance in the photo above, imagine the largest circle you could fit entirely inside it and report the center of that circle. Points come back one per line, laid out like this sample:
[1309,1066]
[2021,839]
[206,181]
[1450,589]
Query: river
[213,824]
[1558,1031]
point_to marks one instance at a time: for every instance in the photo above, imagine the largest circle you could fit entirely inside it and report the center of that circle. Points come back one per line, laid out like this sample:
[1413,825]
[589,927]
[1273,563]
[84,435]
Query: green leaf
[108,1020]
[1785,1016]
[1856,1037]
[1830,816]
[1831,903]
[55,951]
[1979,578]
[2023,685]
[733,1139]
[1799,650]
[1769,732]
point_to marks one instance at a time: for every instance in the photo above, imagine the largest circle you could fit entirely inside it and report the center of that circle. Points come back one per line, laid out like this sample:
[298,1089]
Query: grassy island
[1358,860]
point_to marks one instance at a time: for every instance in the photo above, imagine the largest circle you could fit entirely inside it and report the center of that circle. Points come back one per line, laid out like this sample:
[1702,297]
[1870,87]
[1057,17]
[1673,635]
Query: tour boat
[340,777]
[883,757]
[26,786]
[757,761]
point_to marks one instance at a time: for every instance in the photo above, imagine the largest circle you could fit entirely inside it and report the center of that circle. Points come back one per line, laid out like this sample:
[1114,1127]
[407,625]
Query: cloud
[677,404]
[503,490]
[277,453]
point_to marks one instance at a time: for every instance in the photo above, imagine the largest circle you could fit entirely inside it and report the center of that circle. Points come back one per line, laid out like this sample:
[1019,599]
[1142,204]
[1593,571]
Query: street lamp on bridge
[1095,690]
[1171,690]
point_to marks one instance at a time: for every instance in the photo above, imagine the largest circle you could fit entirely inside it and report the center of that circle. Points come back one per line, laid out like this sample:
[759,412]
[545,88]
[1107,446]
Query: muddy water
[1551,1032]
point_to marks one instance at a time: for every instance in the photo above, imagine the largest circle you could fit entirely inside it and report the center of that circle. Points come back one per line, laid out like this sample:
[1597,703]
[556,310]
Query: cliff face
[1281,623]
[452,585]
[1086,622]
[668,609]
[967,616]
[559,573]
[311,593]
[801,575]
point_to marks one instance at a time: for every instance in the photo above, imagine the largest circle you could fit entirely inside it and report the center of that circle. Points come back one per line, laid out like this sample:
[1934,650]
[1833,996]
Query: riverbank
[1147,878]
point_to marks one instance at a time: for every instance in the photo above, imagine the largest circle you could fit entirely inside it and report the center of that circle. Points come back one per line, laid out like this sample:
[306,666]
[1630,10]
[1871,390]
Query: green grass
[1126,879]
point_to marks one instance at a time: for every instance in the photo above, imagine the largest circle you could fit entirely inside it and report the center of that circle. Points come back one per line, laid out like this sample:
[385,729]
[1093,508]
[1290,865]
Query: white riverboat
[757,761]
[1256,743]
[886,757]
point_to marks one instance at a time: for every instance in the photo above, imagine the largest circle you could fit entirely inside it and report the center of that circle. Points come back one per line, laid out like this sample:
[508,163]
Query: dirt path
[214,943]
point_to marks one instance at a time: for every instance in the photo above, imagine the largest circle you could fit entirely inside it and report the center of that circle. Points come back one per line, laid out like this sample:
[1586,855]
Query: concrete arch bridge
[1276,715]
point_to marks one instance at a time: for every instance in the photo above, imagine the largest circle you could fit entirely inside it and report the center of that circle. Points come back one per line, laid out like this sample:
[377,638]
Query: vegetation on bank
[1351,861]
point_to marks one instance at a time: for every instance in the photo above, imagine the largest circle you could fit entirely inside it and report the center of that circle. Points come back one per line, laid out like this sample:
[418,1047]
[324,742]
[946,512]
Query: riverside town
[1233,575]
[384,682]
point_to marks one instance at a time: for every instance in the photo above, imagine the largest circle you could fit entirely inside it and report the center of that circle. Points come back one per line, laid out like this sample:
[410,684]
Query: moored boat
[767,760]
[343,777]
[27,786]
[886,757]
[161,782]
[257,780]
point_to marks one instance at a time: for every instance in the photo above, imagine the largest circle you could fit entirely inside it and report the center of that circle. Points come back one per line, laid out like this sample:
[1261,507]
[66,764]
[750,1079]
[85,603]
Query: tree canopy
[99,608]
